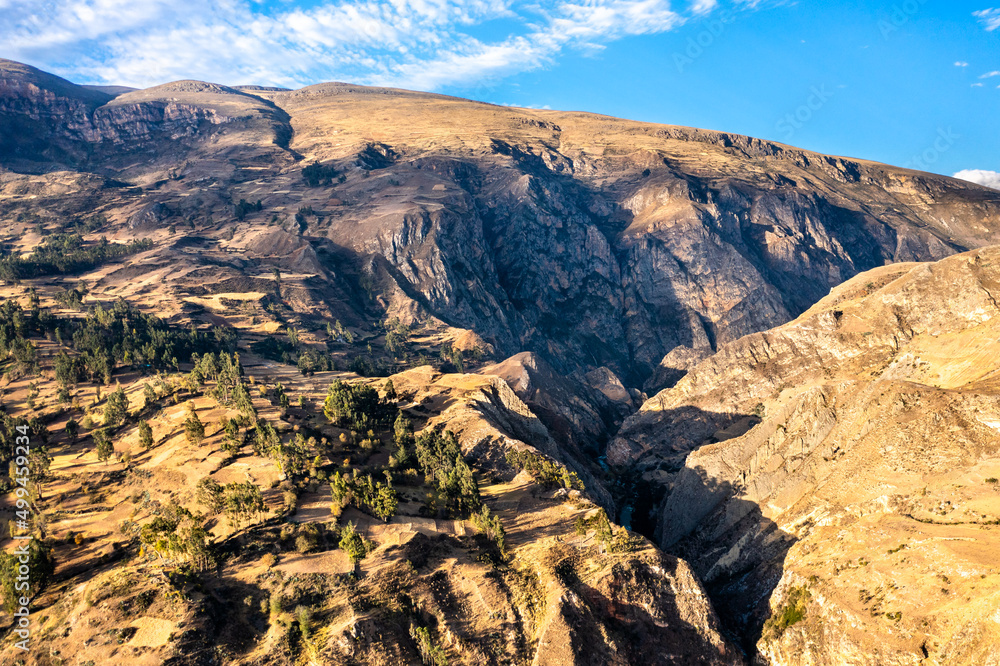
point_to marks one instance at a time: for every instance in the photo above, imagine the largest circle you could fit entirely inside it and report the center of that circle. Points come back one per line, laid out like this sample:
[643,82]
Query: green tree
[72,428]
[211,495]
[69,370]
[242,400]
[353,543]
[403,457]
[234,435]
[439,457]
[390,390]
[116,410]
[385,502]
[242,502]
[266,438]
[402,430]
[193,427]
[356,406]
[489,524]
[39,461]
[148,394]
[105,448]
[145,435]
[40,567]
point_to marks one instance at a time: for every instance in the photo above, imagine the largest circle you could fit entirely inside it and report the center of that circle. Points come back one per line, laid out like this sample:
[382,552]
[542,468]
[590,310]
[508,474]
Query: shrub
[430,654]
[303,616]
[543,470]
[303,544]
[275,604]
[791,612]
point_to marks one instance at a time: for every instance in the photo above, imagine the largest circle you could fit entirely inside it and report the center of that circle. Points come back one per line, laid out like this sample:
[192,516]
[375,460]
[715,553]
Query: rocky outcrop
[149,217]
[579,411]
[831,458]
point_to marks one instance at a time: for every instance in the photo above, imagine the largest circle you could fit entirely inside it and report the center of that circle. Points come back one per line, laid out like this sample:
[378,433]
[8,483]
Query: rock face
[50,121]
[846,461]
[579,410]
[590,241]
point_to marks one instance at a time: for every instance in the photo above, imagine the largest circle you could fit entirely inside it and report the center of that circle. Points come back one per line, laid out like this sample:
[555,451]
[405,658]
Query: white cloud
[990,18]
[981,177]
[990,74]
[423,44]
[961,63]
[703,6]
[977,85]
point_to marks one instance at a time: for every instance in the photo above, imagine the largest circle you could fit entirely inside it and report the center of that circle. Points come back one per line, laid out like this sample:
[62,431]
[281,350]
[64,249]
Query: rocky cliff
[591,241]
[839,471]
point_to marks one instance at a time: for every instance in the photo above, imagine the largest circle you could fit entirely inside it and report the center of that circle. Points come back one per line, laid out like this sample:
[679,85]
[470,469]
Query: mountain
[592,241]
[525,279]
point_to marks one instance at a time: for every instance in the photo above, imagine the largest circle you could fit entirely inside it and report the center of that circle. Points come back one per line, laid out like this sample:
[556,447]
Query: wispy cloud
[961,63]
[423,44]
[980,177]
[990,18]
[703,6]
[988,75]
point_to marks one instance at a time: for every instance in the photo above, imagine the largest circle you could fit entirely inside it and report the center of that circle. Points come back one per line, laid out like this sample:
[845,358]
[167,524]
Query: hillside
[848,461]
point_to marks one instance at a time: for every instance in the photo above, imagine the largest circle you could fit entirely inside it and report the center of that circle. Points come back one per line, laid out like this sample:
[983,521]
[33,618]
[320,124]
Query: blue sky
[909,82]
